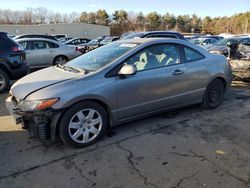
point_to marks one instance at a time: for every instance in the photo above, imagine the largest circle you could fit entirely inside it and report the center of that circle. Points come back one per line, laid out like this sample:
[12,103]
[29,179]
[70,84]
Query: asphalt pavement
[191,147]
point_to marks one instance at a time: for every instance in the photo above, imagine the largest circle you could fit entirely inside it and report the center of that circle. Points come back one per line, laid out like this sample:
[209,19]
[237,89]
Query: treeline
[122,21]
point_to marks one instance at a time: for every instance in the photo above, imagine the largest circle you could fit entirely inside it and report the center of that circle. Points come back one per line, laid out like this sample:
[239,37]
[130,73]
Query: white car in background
[41,52]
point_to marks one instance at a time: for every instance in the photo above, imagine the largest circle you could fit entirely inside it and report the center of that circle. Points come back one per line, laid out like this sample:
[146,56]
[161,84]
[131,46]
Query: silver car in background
[42,52]
[203,41]
[114,84]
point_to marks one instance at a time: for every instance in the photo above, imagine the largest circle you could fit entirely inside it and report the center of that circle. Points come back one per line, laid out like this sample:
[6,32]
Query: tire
[214,94]
[4,81]
[60,60]
[80,128]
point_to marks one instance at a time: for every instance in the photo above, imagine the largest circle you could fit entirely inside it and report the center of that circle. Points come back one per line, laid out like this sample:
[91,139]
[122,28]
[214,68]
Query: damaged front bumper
[40,124]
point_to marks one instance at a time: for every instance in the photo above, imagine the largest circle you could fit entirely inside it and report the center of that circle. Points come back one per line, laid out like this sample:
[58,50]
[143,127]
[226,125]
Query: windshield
[107,40]
[69,41]
[196,41]
[221,42]
[96,40]
[100,57]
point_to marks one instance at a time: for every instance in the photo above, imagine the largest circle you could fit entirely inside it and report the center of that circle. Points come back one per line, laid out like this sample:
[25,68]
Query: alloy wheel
[85,126]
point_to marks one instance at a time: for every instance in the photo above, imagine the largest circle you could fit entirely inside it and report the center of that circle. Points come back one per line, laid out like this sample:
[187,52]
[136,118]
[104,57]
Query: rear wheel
[214,94]
[4,81]
[60,60]
[83,124]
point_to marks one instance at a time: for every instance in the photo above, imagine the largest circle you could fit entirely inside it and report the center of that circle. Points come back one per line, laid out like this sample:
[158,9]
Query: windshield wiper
[70,69]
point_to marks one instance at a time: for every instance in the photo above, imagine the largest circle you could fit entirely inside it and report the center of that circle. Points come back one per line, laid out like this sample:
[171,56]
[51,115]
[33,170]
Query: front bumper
[40,124]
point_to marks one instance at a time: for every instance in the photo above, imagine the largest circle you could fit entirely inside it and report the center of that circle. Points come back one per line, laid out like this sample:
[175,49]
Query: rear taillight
[16,49]
[77,49]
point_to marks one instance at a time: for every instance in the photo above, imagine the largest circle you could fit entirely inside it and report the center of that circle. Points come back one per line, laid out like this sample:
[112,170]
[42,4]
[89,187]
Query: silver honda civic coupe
[119,82]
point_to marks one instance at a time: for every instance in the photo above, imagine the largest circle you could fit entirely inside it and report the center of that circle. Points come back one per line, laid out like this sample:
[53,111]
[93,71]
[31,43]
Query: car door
[40,54]
[28,46]
[160,82]
[54,50]
[197,73]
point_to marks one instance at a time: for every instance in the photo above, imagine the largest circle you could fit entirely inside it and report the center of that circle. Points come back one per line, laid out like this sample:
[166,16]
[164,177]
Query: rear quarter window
[53,45]
[192,55]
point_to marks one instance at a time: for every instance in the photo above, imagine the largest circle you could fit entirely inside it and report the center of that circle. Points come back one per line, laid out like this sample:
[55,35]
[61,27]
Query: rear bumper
[19,72]
[40,124]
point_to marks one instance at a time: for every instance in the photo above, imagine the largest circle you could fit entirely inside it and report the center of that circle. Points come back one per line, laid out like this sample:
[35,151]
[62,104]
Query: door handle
[178,72]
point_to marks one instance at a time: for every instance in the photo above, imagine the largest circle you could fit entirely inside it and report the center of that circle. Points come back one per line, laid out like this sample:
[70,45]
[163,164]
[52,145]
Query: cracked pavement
[174,149]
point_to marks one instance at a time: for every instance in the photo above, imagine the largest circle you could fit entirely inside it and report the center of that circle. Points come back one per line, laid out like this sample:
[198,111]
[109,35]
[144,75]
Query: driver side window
[155,57]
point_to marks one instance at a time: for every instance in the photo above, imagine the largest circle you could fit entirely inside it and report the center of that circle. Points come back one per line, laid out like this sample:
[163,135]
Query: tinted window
[53,45]
[25,45]
[245,41]
[83,41]
[192,55]
[155,57]
[212,41]
[38,45]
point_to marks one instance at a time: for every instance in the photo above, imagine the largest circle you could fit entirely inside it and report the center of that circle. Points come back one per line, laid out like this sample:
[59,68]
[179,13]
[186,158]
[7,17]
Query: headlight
[27,106]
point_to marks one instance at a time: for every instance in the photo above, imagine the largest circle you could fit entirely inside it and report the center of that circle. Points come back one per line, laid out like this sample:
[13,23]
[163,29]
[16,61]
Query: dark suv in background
[154,34]
[12,61]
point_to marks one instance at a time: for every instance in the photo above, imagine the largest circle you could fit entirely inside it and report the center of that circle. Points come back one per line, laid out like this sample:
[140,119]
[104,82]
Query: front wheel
[4,81]
[83,124]
[214,94]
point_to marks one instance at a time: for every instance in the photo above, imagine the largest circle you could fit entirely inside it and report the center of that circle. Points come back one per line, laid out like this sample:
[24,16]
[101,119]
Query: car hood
[216,48]
[41,79]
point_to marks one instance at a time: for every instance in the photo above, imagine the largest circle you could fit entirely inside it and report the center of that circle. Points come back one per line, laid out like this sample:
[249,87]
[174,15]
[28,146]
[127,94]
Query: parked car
[190,37]
[64,39]
[227,47]
[155,34]
[216,37]
[91,45]
[59,36]
[12,61]
[45,52]
[115,84]
[108,40]
[77,41]
[35,36]
[243,51]
[203,41]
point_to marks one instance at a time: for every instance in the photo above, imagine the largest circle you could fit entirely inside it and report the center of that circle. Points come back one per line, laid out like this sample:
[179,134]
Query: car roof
[3,33]
[153,41]
[37,39]
[170,32]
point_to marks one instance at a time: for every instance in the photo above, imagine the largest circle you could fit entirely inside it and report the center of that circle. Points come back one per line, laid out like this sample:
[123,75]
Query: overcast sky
[202,8]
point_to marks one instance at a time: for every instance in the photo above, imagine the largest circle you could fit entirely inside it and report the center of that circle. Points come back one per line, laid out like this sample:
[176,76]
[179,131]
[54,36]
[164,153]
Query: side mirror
[127,70]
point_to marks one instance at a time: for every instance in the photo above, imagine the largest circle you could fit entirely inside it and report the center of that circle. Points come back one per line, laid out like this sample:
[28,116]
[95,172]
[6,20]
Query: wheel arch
[5,69]
[61,55]
[220,77]
[54,129]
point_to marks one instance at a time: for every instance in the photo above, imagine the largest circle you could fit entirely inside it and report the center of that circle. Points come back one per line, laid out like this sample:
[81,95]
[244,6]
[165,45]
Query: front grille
[38,128]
